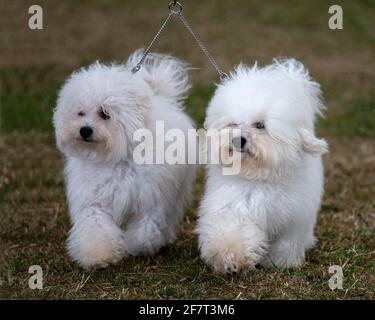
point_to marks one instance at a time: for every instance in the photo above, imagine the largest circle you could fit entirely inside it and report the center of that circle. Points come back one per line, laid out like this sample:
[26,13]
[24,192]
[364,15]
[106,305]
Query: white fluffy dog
[116,206]
[266,214]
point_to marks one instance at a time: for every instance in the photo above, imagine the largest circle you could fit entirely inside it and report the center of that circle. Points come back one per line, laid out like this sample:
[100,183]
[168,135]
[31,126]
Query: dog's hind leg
[286,252]
[146,233]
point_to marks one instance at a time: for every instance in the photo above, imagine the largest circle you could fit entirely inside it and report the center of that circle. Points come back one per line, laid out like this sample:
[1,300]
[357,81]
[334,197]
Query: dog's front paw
[229,258]
[94,248]
[233,262]
[229,263]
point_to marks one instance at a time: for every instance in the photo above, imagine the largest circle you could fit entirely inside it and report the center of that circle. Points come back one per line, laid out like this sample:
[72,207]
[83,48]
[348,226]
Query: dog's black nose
[85,132]
[239,143]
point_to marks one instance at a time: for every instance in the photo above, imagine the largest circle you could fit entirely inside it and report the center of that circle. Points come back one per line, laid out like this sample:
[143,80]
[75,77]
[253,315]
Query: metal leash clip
[173,5]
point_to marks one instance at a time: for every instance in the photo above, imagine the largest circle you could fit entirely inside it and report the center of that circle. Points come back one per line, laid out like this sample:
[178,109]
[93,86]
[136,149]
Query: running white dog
[266,214]
[98,110]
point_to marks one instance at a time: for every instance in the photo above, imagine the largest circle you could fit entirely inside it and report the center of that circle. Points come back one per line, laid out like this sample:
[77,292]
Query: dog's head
[274,109]
[97,112]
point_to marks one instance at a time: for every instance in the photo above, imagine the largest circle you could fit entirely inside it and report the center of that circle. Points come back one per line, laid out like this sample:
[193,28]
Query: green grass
[27,112]
[355,119]
[33,209]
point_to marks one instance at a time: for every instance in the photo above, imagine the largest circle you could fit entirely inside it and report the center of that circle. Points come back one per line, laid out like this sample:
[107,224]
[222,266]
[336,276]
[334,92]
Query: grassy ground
[33,210]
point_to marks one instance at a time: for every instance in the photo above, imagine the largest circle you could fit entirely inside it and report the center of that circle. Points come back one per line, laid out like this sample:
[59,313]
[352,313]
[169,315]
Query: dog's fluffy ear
[311,144]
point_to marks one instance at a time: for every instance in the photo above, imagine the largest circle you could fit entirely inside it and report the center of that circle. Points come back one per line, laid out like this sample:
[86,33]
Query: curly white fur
[117,207]
[266,214]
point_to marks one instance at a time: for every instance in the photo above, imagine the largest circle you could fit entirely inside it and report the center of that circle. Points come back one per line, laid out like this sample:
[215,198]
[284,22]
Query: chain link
[148,49]
[175,8]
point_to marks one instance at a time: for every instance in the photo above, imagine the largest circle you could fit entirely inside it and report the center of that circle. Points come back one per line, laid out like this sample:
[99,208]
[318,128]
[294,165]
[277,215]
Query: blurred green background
[34,64]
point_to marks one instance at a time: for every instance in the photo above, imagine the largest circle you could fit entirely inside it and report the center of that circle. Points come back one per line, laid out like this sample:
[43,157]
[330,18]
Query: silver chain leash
[175,8]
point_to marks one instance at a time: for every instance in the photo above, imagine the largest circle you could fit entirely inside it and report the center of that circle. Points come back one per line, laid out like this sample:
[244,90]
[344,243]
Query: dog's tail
[166,75]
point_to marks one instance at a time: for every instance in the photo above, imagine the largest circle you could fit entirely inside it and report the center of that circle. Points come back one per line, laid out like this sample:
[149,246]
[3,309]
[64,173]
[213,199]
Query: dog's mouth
[245,152]
[86,140]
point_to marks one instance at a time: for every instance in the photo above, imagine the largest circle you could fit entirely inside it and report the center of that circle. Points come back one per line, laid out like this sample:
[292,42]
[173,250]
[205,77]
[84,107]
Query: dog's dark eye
[81,113]
[104,115]
[259,125]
